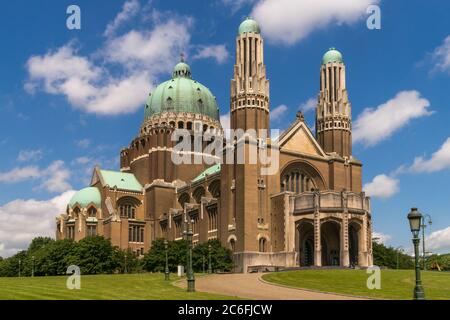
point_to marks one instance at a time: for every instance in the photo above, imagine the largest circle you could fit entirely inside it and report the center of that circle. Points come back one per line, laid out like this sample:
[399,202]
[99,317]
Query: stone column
[317,236]
[345,256]
[362,255]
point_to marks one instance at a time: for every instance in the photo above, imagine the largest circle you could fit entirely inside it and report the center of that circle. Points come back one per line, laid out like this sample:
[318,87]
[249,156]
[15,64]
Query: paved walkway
[250,286]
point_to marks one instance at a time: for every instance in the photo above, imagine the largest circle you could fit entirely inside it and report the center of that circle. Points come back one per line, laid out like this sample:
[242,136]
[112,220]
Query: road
[250,286]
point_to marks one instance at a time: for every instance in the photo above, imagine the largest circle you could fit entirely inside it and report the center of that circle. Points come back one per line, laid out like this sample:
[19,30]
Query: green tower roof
[249,25]
[85,197]
[182,94]
[211,170]
[332,55]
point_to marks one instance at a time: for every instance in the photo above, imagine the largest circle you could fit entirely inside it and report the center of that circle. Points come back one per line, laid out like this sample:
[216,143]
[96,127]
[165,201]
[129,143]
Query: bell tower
[249,86]
[244,193]
[334,113]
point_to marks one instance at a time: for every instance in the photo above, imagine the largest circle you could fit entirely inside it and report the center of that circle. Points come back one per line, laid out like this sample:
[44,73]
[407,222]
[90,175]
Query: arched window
[262,245]
[92,212]
[127,207]
[184,198]
[198,194]
[301,177]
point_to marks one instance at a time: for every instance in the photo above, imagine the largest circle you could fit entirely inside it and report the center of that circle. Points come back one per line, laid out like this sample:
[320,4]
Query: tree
[127,261]
[387,257]
[221,258]
[155,259]
[39,243]
[94,255]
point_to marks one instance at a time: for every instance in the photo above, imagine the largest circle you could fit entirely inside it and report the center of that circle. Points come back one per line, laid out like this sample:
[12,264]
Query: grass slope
[99,287]
[395,284]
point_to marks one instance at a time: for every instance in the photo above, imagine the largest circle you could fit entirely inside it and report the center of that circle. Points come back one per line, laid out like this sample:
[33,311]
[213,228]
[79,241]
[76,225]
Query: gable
[299,138]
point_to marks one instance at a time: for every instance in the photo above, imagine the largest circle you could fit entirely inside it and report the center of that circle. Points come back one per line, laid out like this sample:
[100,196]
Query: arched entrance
[331,243]
[305,231]
[353,242]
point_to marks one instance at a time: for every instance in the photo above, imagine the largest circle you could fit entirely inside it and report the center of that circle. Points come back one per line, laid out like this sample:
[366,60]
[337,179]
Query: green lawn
[99,287]
[395,284]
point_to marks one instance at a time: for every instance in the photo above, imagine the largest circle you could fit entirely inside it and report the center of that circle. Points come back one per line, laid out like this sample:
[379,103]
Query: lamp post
[20,262]
[190,271]
[209,260]
[414,218]
[398,249]
[32,269]
[126,256]
[166,271]
[423,225]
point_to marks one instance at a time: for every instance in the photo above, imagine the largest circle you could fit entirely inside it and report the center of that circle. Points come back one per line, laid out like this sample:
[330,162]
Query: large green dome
[182,94]
[85,197]
[332,55]
[249,25]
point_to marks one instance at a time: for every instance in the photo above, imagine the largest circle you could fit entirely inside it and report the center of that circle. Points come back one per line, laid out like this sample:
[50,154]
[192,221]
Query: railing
[331,201]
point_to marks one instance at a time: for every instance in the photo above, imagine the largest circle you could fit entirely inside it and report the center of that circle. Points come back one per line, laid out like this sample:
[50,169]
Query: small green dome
[85,197]
[182,94]
[249,25]
[332,55]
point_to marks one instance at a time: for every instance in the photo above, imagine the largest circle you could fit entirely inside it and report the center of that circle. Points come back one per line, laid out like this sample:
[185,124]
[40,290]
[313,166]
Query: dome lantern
[332,56]
[249,25]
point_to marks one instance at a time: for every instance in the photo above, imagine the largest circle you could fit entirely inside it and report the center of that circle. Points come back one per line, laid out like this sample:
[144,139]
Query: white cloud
[289,21]
[218,52]
[441,56]
[376,124]
[83,143]
[23,220]
[439,240]
[277,113]
[29,155]
[439,160]
[225,121]
[129,10]
[381,237]
[308,105]
[53,178]
[20,174]
[235,5]
[382,186]
[86,86]
[128,65]
[155,50]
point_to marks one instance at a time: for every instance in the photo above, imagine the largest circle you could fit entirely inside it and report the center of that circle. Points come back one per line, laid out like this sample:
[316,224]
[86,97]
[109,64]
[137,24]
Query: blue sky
[70,99]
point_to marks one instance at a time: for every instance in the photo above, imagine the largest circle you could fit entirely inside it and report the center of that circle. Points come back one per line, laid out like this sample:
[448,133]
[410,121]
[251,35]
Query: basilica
[310,212]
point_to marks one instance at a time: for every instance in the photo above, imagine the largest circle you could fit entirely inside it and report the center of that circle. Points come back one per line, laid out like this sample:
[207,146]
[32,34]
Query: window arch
[183,199]
[127,207]
[198,194]
[92,212]
[301,177]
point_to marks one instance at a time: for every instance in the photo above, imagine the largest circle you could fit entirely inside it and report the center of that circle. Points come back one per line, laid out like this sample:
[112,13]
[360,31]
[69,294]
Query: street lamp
[190,271]
[166,272]
[398,249]
[126,256]
[209,260]
[423,237]
[32,269]
[20,262]
[414,218]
